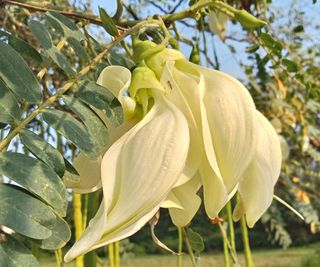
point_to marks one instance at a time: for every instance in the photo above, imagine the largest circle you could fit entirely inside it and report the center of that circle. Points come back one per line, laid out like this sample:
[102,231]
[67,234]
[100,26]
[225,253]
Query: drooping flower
[218,23]
[185,127]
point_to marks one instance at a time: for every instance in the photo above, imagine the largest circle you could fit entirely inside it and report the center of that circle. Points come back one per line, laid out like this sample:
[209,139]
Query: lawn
[293,257]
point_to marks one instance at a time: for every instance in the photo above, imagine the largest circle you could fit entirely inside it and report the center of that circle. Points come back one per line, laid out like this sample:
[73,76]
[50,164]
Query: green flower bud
[247,20]
[195,55]
[140,47]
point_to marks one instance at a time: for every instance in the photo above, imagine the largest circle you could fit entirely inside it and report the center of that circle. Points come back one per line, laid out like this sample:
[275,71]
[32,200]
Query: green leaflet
[108,23]
[195,240]
[9,109]
[36,177]
[60,235]
[99,97]
[43,151]
[64,25]
[72,129]
[98,133]
[17,75]
[15,254]
[44,38]
[22,47]
[25,214]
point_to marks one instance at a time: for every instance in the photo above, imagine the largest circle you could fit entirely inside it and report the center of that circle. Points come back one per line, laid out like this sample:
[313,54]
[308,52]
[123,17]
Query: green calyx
[141,49]
[144,84]
[143,78]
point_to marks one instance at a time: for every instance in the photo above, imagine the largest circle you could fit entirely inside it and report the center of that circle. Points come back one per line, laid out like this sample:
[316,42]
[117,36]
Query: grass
[293,257]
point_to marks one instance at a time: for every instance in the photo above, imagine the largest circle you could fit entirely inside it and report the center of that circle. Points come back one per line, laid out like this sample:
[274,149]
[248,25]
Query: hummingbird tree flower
[218,23]
[138,170]
[237,148]
[185,126]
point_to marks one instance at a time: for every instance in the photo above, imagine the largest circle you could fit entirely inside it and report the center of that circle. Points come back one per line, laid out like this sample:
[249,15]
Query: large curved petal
[257,183]
[89,175]
[182,89]
[90,170]
[214,191]
[185,196]
[229,120]
[138,172]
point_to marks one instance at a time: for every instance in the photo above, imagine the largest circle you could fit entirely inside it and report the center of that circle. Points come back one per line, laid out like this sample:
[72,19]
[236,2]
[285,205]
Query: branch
[74,15]
[169,18]
[131,11]
[176,7]
[118,13]
[69,84]
[157,6]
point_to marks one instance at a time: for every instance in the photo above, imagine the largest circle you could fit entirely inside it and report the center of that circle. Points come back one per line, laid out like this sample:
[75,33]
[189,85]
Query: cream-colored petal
[187,197]
[183,91]
[171,202]
[117,80]
[96,228]
[138,172]
[257,183]
[229,120]
[214,191]
[218,23]
[91,235]
[89,172]
[239,210]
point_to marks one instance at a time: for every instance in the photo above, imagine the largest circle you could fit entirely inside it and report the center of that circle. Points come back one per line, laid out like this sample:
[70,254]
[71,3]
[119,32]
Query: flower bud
[248,21]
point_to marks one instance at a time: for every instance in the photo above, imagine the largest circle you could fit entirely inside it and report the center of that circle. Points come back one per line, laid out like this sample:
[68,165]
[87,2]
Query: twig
[119,11]
[176,7]
[169,18]
[232,251]
[130,11]
[69,84]
[73,14]
[157,6]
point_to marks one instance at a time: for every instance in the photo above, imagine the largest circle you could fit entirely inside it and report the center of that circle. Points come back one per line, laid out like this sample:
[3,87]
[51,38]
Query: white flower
[137,172]
[185,126]
[218,23]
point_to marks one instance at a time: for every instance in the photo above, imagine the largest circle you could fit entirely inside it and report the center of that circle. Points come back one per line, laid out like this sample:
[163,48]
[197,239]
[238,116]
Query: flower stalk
[230,225]
[246,243]
[111,255]
[180,245]
[77,217]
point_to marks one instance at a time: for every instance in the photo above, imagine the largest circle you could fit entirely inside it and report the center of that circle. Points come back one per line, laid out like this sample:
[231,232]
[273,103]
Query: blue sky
[229,62]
